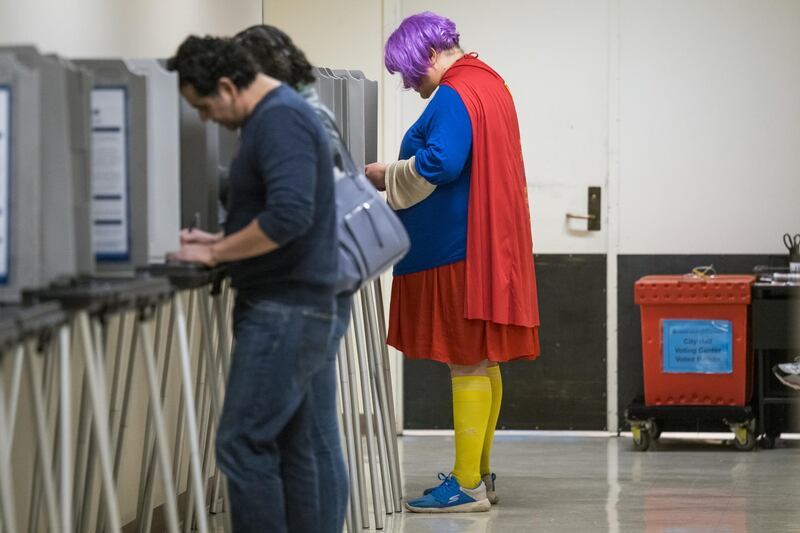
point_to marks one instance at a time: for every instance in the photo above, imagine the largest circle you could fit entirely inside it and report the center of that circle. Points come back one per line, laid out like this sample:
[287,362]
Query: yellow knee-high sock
[472,399]
[497,399]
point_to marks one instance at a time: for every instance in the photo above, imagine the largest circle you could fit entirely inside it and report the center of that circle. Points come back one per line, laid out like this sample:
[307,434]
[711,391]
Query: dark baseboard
[566,387]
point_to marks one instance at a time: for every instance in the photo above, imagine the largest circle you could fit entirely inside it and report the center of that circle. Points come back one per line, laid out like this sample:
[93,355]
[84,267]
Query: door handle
[593,208]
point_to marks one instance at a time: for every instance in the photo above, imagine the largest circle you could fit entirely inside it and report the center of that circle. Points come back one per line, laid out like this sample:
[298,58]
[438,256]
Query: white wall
[341,34]
[554,57]
[709,126]
[106,28]
[699,97]
[345,34]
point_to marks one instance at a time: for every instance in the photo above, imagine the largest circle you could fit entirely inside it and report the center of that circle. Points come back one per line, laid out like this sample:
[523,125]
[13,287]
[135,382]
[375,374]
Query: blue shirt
[441,140]
[282,177]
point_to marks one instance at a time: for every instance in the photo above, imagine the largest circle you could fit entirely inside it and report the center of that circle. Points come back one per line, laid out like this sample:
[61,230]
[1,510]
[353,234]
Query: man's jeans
[264,443]
[333,476]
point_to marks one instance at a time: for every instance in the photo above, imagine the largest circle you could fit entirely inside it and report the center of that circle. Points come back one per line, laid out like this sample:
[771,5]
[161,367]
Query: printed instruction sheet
[5,180]
[110,228]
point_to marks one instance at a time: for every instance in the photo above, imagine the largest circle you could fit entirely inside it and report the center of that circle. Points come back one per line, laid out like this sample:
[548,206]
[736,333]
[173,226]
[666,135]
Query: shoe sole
[791,384]
[474,507]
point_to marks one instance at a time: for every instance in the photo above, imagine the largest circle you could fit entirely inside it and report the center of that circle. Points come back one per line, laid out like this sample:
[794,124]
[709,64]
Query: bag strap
[337,142]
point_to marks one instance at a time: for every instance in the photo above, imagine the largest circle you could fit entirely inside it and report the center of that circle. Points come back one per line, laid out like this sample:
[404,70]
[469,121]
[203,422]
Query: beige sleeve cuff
[404,186]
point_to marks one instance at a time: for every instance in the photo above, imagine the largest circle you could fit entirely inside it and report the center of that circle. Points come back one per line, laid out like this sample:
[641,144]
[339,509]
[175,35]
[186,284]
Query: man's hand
[376,174]
[195,253]
[196,236]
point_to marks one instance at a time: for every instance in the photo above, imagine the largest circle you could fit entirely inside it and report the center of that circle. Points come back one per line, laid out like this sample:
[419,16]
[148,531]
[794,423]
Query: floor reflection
[589,485]
[582,485]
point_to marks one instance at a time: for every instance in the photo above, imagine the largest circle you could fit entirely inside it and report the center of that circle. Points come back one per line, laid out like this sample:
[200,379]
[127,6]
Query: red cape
[500,277]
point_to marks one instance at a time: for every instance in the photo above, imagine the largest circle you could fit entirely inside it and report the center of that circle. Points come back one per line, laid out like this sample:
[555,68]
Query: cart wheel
[655,430]
[766,442]
[641,438]
[745,439]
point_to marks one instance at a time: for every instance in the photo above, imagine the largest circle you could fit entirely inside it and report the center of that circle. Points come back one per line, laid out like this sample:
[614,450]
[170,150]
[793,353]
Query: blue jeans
[264,442]
[333,476]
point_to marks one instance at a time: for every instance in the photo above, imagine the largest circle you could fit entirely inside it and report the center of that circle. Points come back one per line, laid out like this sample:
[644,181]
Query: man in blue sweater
[280,248]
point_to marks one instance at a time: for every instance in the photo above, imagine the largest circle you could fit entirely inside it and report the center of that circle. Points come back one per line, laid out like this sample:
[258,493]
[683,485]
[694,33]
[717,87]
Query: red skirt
[426,321]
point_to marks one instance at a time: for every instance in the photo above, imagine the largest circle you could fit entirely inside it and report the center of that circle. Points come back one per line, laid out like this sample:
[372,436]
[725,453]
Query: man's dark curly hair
[202,61]
[276,54]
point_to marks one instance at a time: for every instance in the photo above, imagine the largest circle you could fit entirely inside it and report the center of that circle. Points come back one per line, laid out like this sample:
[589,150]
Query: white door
[554,57]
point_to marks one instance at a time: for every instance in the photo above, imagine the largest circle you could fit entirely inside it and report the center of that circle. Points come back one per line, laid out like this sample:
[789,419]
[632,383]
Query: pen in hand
[195,223]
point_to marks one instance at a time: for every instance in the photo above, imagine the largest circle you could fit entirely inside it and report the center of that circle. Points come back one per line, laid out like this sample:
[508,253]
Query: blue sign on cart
[697,346]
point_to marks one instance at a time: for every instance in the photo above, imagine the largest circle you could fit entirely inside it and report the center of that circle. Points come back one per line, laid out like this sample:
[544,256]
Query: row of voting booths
[95,157]
[367,400]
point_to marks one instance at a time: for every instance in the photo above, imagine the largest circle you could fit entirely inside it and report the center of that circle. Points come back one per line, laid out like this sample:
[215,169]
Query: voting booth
[206,152]
[101,164]
[20,168]
[331,92]
[135,163]
[353,99]
[163,157]
[363,360]
[370,117]
[354,120]
[119,165]
[65,193]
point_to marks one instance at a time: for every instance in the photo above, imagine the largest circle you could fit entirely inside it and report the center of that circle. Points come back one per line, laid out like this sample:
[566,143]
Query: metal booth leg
[98,332]
[366,398]
[212,390]
[352,373]
[177,453]
[57,377]
[43,440]
[82,446]
[145,524]
[203,410]
[99,410]
[43,349]
[7,425]
[391,426]
[382,380]
[373,349]
[349,413]
[195,475]
[223,358]
[156,411]
[119,416]
[65,427]
[214,373]
[8,519]
[16,383]
[147,466]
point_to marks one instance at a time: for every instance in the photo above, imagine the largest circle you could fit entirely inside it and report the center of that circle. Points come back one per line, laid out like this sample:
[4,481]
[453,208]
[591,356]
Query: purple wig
[409,47]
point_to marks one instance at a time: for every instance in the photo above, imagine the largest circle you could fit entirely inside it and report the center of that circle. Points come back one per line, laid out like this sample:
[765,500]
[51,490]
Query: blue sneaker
[488,480]
[450,497]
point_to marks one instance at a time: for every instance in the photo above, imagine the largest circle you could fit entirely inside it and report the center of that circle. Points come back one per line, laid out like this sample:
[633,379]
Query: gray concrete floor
[596,484]
[579,484]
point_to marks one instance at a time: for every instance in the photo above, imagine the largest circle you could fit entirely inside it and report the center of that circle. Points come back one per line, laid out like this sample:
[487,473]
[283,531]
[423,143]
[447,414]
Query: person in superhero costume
[465,295]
